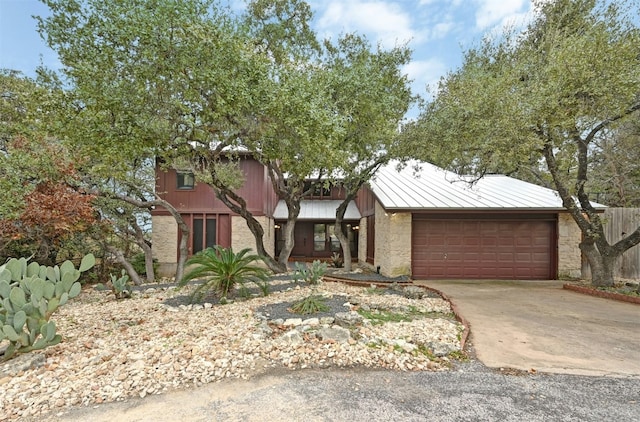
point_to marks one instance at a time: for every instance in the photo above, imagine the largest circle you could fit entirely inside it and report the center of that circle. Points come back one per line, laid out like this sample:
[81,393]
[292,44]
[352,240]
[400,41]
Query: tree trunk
[148,253]
[183,250]
[342,236]
[135,278]
[602,265]
[288,231]
[239,206]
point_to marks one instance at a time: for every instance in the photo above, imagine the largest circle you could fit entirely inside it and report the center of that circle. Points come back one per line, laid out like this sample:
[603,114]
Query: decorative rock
[311,321]
[292,337]
[21,363]
[413,292]
[335,333]
[115,350]
[406,346]
[264,330]
[292,322]
[441,349]
[348,319]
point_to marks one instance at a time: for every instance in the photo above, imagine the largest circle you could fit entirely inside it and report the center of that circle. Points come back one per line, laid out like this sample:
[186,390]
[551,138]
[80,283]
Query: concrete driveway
[538,325]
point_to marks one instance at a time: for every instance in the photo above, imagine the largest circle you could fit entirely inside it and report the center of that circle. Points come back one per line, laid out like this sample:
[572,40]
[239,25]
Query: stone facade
[165,244]
[362,245]
[569,254]
[241,236]
[362,241]
[393,242]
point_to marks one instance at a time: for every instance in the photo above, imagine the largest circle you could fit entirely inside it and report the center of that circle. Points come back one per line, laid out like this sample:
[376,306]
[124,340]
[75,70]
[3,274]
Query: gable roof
[432,188]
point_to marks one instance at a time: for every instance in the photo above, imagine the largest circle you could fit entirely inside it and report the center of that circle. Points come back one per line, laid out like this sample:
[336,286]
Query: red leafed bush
[52,213]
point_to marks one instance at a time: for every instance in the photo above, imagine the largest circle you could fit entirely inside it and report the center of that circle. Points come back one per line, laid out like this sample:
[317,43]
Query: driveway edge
[602,294]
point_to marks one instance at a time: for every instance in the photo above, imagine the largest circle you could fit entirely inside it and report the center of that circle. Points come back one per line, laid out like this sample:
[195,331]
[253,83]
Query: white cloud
[500,12]
[382,22]
[453,3]
[440,30]
[425,73]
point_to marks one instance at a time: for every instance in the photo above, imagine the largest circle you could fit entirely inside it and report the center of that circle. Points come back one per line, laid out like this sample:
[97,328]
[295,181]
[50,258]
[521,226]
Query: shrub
[120,286]
[310,305]
[312,275]
[29,295]
[139,264]
[222,271]
[336,260]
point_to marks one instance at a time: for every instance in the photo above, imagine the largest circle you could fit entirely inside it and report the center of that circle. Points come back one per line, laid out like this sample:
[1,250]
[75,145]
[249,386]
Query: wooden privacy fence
[618,223]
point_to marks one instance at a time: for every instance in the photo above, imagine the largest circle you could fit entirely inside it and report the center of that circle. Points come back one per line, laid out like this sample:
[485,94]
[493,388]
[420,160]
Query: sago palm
[222,270]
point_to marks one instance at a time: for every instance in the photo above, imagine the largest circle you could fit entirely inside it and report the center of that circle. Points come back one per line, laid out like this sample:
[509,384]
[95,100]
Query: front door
[315,240]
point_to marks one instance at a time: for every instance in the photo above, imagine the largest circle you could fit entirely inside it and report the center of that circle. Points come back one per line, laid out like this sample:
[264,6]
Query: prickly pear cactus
[29,294]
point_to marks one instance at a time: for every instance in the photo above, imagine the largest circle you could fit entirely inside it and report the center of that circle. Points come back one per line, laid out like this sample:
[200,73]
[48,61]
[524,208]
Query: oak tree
[549,95]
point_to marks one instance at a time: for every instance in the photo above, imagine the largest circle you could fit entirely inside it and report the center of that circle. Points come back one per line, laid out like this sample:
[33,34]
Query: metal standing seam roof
[432,188]
[317,209]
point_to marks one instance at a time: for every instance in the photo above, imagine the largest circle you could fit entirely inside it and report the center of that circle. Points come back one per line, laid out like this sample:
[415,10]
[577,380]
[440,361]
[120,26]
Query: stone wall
[393,242]
[164,235]
[362,245]
[241,236]
[569,255]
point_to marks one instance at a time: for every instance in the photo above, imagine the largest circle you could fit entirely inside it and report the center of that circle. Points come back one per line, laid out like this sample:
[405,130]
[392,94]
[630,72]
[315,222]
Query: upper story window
[186,180]
[320,190]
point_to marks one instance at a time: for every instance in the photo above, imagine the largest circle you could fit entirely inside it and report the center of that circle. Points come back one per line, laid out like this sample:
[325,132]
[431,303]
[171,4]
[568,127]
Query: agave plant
[222,270]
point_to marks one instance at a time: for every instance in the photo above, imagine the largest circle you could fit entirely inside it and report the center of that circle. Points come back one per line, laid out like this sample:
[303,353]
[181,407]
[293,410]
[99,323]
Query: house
[418,220]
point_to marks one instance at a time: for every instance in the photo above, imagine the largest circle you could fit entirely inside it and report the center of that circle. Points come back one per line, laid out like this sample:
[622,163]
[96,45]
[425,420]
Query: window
[204,234]
[323,236]
[335,242]
[319,237]
[318,189]
[185,180]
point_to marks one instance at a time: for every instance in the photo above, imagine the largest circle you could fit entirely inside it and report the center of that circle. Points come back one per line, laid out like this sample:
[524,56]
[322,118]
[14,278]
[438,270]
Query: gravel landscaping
[114,350]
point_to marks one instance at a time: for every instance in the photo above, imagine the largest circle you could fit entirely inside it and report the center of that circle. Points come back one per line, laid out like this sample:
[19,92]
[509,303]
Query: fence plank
[620,222]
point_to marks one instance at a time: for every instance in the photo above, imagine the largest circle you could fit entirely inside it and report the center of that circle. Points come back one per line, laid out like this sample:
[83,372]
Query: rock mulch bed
[113,350]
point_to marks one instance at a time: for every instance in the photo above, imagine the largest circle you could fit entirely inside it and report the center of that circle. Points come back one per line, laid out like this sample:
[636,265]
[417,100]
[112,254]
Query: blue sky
[437,30]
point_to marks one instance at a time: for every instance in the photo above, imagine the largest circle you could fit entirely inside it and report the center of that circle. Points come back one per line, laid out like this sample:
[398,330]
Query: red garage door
[483,249]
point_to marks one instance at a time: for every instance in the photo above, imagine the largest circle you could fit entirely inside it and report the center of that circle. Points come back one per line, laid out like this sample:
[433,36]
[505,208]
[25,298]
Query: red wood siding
[257,191]
[366,202]
[506,248]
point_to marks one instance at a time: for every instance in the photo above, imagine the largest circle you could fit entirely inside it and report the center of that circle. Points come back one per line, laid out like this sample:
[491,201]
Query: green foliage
[379,317]
[336,260]
[310,305]
[169,79]
[29,294]
[375,290]
[311,275]
[120,285]
[546,98]
[222,270]
[139,264]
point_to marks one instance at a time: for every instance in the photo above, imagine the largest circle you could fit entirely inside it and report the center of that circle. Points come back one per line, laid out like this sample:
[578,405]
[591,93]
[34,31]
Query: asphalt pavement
[469,392]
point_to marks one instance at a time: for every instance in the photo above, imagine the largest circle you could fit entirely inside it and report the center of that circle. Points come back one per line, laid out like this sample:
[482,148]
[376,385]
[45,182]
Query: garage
[521,247]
